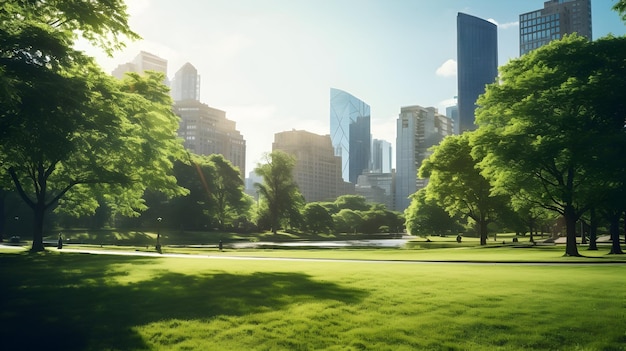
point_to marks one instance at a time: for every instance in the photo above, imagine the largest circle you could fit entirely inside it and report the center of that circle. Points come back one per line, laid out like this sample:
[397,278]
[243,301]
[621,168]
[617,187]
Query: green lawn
[98,302]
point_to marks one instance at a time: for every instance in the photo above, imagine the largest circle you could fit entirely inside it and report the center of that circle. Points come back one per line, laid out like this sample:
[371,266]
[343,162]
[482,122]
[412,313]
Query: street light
[158,243]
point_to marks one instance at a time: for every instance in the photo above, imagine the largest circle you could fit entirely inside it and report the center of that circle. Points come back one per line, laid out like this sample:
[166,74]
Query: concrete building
[418,128]
[144,61]
[350,133]
[557,18]
[186,84]
[377,187]
[318,170]
[452,112]
[381,156]
[477,64]
[207,131]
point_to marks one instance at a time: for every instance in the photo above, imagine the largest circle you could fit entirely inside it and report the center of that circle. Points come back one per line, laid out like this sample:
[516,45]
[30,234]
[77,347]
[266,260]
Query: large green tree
[552,127]
[278,190]
[457,184]
[93,135]
[226,188]
[424,217]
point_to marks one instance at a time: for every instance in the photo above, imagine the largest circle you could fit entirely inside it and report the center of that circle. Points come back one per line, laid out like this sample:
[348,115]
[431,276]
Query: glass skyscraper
[557,18]
[350,133]
[477,60]
[186,84]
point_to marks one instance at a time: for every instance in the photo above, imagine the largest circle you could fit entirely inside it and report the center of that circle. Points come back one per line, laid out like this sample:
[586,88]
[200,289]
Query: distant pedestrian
[60,242]
[220,245]
[458,238]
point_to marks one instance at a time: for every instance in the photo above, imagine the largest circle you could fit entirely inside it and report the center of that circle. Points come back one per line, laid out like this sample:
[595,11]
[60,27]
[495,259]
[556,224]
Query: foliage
[424,217]
[317,219]
[352,202]
[457,185]
[552,128]
[282,198]
[620,7]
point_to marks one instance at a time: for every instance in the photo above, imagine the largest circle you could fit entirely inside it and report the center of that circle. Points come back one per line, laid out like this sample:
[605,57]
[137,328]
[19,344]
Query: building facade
[452,112]
[350,133]
[186,84]
[377,187]
[418,128]
[317,171]
[477,64]
[207,131]
[381,156]
[557,18]
[144,61]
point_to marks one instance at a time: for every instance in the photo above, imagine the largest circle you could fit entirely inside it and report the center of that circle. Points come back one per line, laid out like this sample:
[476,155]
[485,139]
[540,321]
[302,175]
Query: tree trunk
[593,231]
[39,211]
[482,229]
[616,249]
[2,214]
[571,249]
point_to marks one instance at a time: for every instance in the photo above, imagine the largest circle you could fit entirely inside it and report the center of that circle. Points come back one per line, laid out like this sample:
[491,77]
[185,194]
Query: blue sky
[271,63]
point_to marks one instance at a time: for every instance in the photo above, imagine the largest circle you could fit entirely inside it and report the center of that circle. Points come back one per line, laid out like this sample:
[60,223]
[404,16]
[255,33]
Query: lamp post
[158,242]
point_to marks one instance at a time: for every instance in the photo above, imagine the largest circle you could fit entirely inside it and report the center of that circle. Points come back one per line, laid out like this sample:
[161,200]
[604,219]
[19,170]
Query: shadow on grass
[68,302]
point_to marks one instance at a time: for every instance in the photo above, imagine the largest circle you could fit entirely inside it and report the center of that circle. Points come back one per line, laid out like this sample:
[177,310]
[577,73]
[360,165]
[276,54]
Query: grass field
[66,301]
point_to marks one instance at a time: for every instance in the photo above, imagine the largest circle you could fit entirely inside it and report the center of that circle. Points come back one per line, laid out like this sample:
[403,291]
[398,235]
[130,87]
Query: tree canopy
[457,184]
[279,190]
[552,127]
[69,131]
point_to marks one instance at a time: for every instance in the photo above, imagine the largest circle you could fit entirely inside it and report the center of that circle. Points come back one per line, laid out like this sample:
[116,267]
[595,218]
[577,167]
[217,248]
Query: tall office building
[557,18]
[350,133]
[317,171]
[207,131]
[452,112]
[477,64]
[186,84]
[381,156]
[418,128]
[376,187]
[144,61]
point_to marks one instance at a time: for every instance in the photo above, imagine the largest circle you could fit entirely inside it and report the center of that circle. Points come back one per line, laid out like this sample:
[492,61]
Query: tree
[551,125]
[456,183]
[352,202]
[316,218]
[226,189]
[424,217]
[620,7]
[58,107]
[84,139]
[279,189]
[347,221]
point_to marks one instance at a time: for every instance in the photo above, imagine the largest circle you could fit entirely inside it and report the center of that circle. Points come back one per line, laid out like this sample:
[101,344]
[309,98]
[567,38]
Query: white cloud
[447,69]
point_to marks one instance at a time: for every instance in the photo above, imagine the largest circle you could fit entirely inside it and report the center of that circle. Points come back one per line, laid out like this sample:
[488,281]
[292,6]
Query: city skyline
[269,64]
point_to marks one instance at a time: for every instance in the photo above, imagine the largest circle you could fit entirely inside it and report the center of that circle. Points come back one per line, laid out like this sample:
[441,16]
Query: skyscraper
[350,133]
[477,62]
[452,112]
[317,171]
[186,84]
[557,18]
[207,131]
[417,129]
[381,156]
[144,61]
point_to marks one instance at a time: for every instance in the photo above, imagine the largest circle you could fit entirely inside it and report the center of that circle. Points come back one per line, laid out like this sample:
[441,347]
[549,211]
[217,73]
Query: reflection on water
[382,243]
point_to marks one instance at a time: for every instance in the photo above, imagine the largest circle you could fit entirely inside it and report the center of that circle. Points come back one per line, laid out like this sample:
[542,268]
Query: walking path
[225,256]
